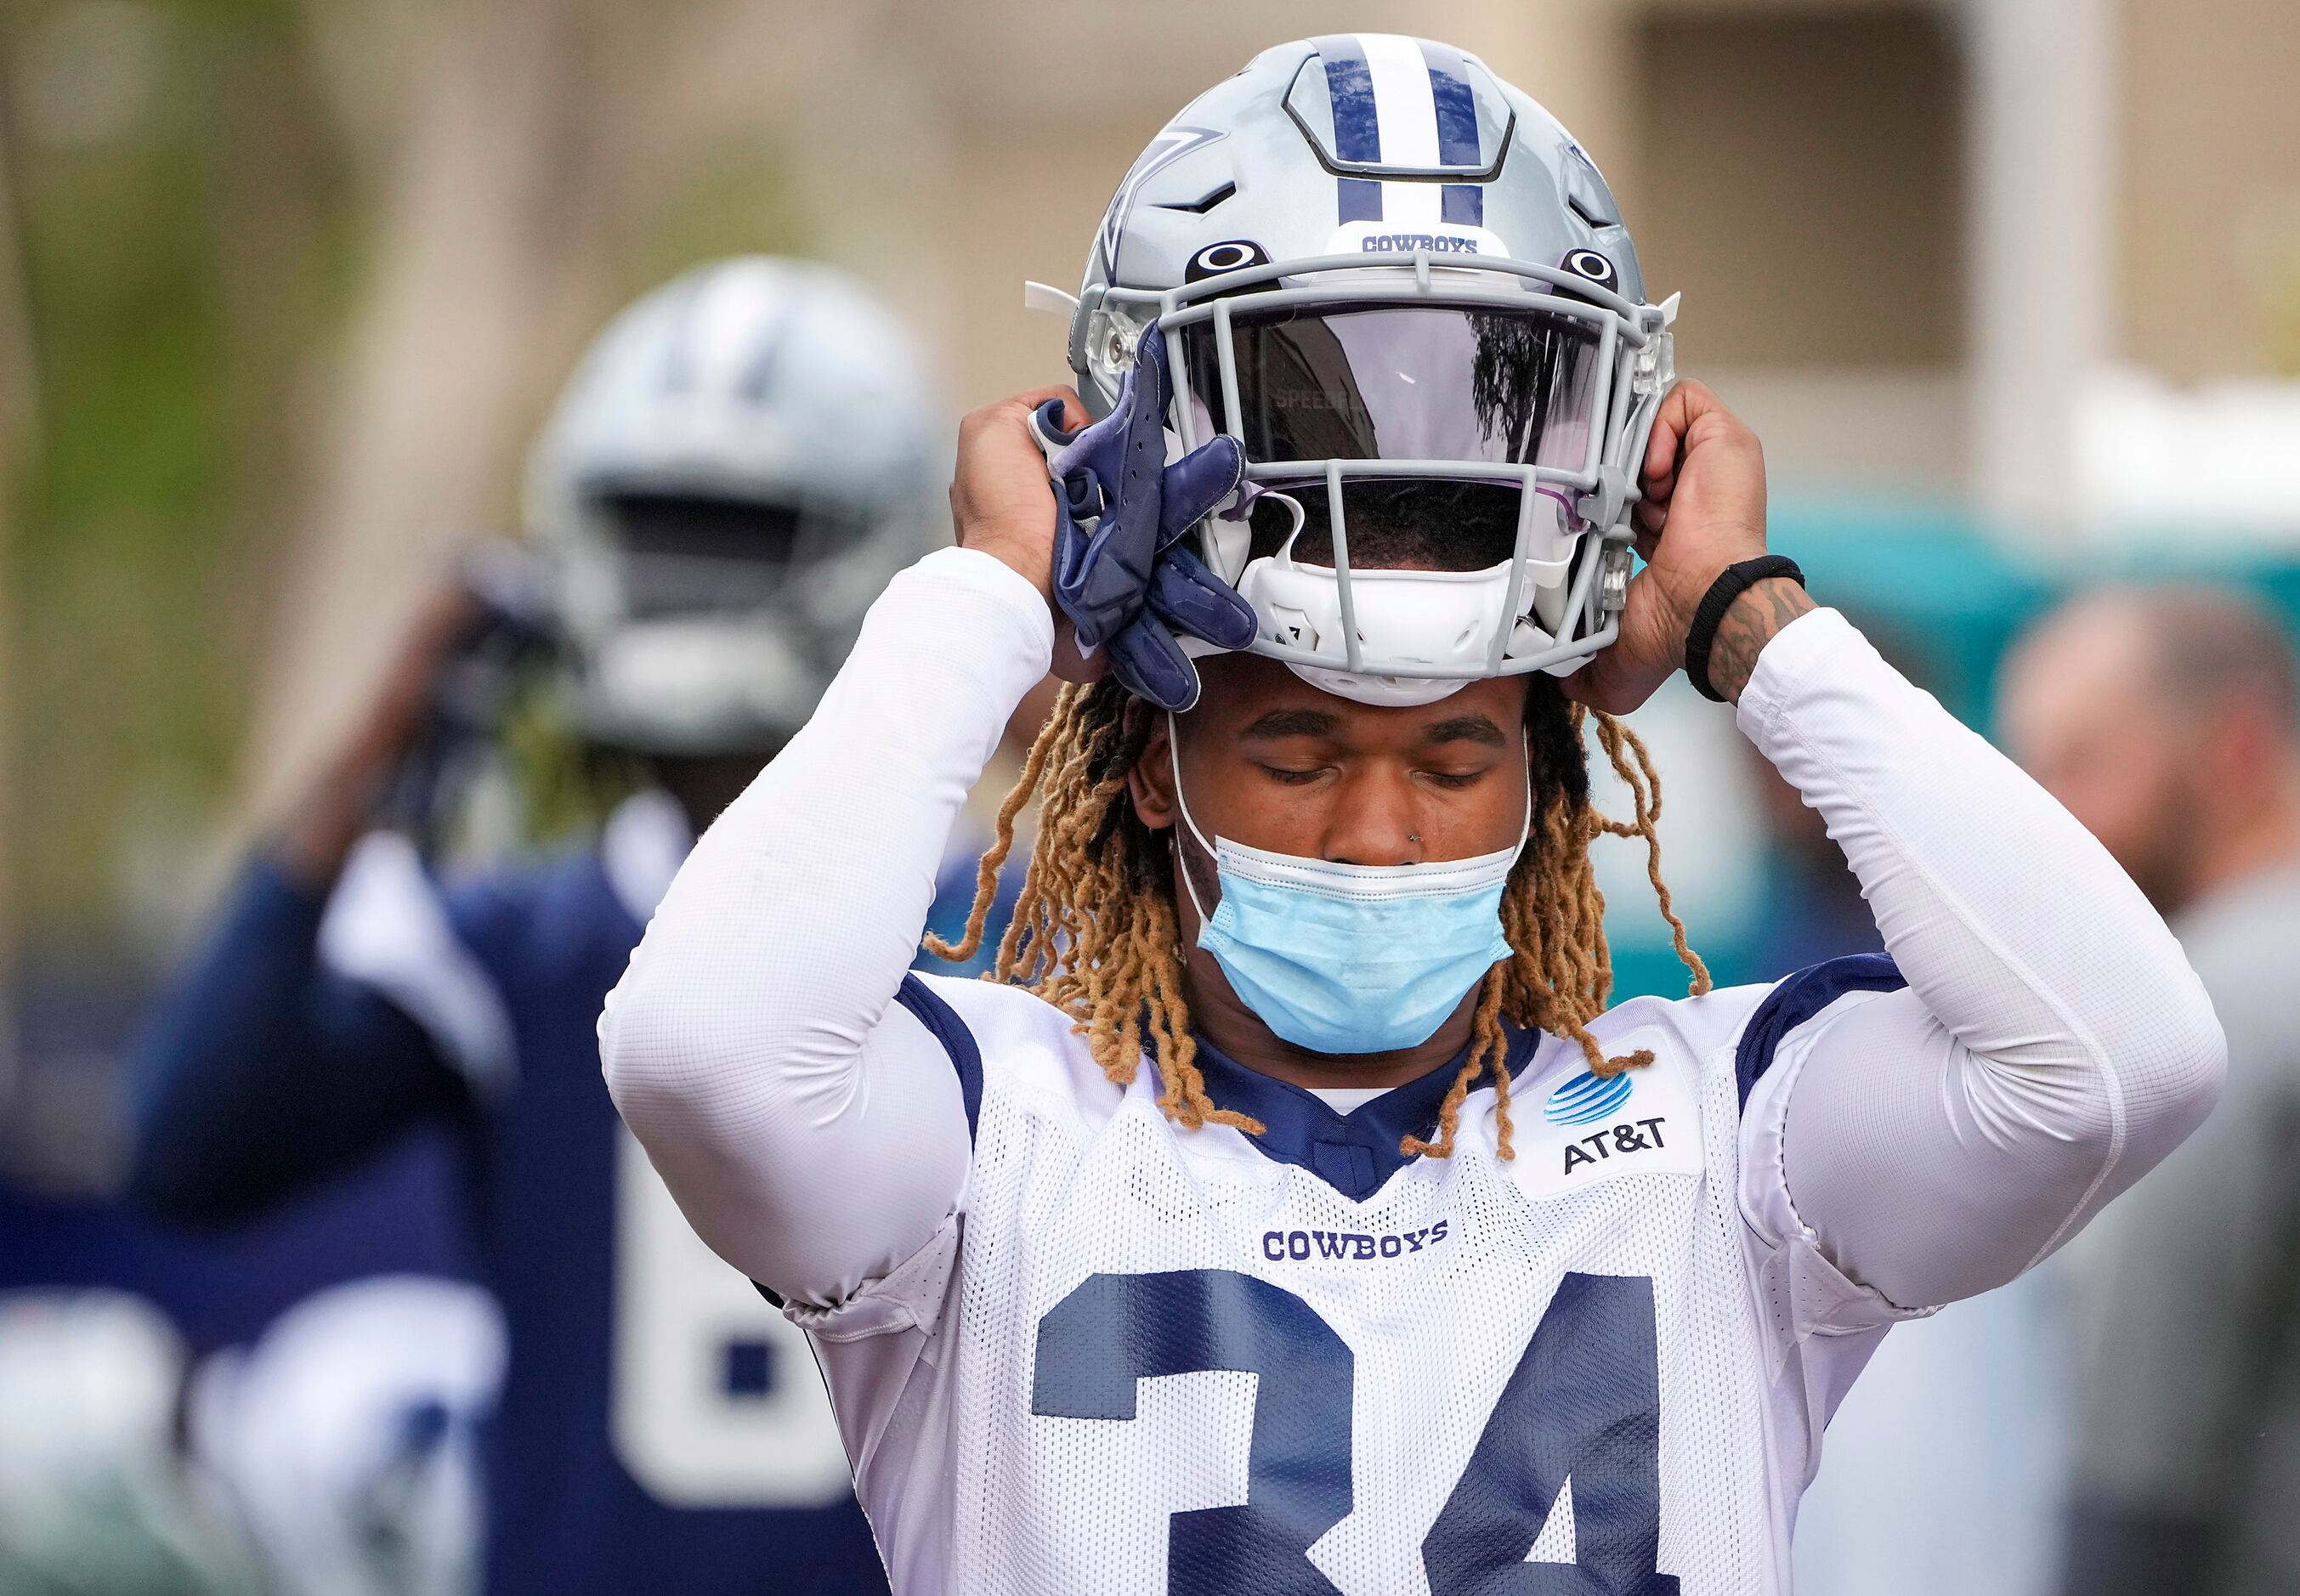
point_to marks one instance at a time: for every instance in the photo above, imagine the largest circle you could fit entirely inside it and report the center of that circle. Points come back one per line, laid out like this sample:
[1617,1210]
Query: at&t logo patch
[1600,1128]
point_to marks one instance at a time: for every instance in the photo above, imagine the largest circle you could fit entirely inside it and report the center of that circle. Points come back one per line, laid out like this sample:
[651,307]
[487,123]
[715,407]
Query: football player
[734,472]
[1292,1214]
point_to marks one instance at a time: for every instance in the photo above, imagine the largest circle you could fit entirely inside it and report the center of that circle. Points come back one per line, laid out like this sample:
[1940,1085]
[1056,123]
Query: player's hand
[1703,509]
[1002,502]
[340,805]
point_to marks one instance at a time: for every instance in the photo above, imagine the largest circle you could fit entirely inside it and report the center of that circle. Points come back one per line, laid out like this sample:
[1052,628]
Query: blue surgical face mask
[1350,959]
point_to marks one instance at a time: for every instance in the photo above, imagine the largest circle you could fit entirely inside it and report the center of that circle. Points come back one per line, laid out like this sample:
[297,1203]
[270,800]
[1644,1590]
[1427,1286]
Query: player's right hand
[1002,502]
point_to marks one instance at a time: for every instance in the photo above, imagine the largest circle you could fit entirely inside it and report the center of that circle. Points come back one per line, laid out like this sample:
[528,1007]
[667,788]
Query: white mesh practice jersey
[1172,1360]
[1075,1349]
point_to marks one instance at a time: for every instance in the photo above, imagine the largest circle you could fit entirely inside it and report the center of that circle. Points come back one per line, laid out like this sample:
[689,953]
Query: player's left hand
[1703,509]
[1123,572]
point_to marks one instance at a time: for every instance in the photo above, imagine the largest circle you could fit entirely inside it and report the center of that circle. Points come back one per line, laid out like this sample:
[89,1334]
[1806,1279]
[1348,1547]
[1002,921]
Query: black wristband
[1731,583]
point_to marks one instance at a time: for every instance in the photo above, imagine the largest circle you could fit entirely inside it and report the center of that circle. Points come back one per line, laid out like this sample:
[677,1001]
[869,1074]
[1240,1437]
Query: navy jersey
[661,1429]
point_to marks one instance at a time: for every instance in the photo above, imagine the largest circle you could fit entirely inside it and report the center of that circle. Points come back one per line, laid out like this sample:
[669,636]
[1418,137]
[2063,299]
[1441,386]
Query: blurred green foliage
[182,243]
[194,231]
[733,197]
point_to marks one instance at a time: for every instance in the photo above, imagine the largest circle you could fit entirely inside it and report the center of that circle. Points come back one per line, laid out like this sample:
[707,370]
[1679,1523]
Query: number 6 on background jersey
[717,1401]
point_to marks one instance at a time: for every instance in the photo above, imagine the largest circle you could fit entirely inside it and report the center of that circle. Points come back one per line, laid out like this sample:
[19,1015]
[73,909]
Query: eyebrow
[1466,729]
[1319,723]
[1292,723]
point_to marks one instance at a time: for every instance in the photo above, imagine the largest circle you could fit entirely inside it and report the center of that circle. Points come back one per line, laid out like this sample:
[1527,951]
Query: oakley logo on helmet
[1232,255]
[1596,267]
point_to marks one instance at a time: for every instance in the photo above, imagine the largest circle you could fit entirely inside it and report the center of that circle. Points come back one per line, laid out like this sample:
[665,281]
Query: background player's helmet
[743,459]
[1406,290]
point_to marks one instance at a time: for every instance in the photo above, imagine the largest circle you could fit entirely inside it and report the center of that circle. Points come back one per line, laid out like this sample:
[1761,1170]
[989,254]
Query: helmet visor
[693,555]
[1423,382]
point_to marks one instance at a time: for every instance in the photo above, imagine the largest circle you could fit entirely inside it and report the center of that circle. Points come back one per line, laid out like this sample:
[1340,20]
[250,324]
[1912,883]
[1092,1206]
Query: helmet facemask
[707,624]
[1337,378]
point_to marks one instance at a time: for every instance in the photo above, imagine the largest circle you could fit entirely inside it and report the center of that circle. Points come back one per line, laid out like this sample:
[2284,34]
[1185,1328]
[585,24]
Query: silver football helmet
[1409,294]
[742,459]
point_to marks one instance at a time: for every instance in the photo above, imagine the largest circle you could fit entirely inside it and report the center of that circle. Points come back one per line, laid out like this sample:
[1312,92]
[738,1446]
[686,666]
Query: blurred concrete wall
[2207,253]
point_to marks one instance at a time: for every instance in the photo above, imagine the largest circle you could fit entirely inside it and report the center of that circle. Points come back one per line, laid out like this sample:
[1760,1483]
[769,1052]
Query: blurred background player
[737,467]
[2167,719]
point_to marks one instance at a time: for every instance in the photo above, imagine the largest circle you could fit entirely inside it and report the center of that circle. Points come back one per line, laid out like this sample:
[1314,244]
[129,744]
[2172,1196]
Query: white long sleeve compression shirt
[2050,1045]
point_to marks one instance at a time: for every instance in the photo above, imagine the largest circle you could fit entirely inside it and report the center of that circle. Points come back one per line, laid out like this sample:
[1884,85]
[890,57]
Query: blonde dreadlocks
[1095,933]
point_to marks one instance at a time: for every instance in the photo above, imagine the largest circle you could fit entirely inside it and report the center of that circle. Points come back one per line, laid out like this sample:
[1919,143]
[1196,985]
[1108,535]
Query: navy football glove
[1121,571]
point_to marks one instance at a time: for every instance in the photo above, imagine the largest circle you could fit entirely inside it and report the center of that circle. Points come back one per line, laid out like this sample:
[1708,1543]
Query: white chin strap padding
[1405,620]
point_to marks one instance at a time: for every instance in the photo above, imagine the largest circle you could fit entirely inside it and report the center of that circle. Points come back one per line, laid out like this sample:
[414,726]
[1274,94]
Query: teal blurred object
[1944,595]
[1941,592]
[1936,579]
[2186,554]
[2274,573]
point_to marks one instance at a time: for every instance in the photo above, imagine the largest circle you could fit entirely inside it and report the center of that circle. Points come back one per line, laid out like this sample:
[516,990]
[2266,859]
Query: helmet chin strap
[1181,859]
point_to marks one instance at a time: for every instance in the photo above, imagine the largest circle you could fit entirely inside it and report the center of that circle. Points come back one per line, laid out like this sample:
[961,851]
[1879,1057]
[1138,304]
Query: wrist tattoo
[1749,624]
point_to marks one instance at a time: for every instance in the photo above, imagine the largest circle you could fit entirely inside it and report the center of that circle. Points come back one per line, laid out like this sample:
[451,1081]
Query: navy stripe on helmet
[1464,205]
[760,372]
[679,354]
[1457,107]
[1349,88]
[1360,199]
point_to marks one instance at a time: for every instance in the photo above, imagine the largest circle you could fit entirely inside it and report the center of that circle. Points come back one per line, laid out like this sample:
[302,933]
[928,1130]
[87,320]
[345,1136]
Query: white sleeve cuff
[1783,664]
